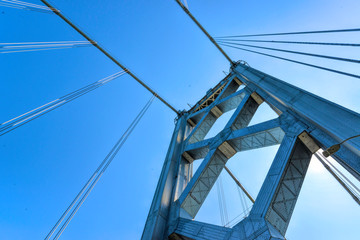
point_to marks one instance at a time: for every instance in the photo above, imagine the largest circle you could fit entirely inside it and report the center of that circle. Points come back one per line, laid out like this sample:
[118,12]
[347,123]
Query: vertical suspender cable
[220,203]
[293,42]
[239,184]
[295,52]
[96,176]
[203,29]
[352,194]
[226,217]
[22,119]
[295,33]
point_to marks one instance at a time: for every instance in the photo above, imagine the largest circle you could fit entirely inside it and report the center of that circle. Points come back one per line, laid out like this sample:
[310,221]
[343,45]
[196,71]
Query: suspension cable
[38,46]
[239,184]
[295,52]
[235,220]
[355,195]
[294,33]
[242,199]
[25,6]
[18,45]
[226,217]
[24,118]
[242,195]
[341,174]
[21,43]
[95,44]
[292,42]
[72,94]
[33,50]
[294,61]
[96,176]
[220,203]
[203,30]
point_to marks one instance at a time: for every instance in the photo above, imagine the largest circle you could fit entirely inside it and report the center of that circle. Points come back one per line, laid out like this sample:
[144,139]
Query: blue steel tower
[305,124]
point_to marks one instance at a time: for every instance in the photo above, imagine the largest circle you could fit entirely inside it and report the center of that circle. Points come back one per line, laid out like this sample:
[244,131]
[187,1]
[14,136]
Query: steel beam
[260,135]
[226,104]
[201,183]
[212,112]
[330,122]
[278,195]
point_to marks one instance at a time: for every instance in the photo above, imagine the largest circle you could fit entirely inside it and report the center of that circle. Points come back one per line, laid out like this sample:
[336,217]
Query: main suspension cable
[294,33]
[295,52]
[36,50]
[220,203]
[21,43]
[236,220]
[239,184]
[242,198]
[39,46]
[340,174]
[353,192]
[94,178]
[293,42]
[203,30]
[226,217]
[95,44]
[25,6]
[22,119]
[294,61]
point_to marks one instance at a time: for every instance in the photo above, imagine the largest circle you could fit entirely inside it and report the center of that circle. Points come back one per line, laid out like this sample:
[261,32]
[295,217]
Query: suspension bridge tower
[305,124]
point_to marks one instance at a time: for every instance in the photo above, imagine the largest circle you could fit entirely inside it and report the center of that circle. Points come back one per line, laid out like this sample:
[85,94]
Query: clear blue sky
[46,162]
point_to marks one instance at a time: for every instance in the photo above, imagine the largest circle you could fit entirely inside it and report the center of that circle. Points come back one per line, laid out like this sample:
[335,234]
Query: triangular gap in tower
[210,210]
[250,167]
[323,200]
[195,165]
[262,114]
[241,87]
[219,124]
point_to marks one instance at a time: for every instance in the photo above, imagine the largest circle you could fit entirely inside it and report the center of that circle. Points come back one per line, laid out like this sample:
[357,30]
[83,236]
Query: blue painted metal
[199,230]
[328,122]
[306,122]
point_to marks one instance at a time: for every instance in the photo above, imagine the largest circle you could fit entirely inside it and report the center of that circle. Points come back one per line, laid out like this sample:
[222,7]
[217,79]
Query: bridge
[216,130]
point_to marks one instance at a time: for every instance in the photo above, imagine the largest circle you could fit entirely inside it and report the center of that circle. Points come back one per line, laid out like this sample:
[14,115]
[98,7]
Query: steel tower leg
[276,200]
[158,216]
